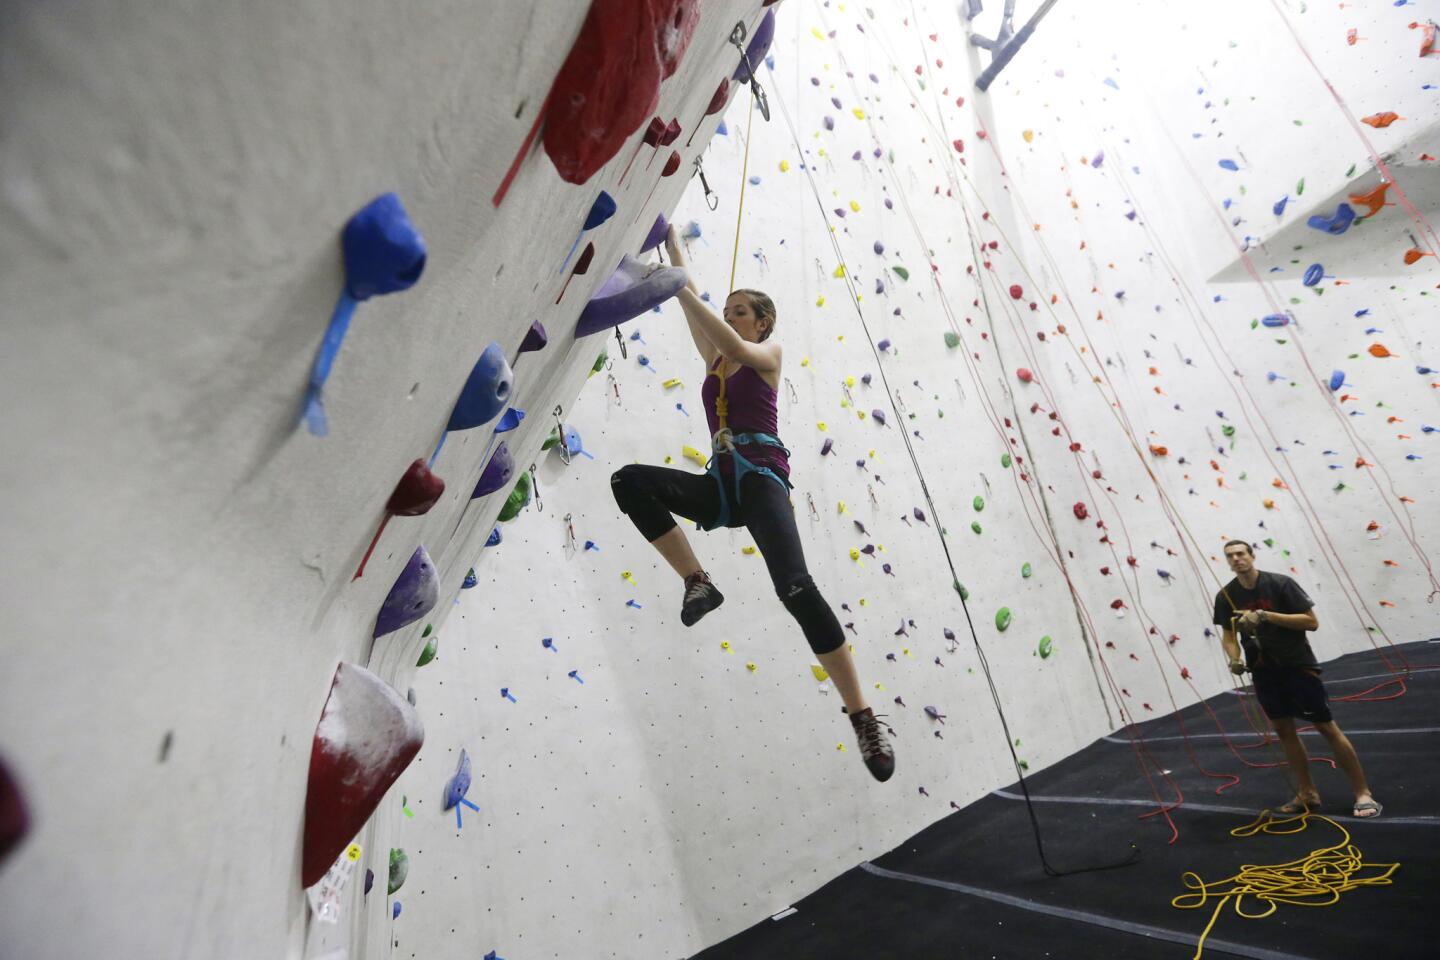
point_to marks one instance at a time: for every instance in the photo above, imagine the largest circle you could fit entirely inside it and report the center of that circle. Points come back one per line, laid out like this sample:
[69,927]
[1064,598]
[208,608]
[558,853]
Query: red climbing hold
[1016,291]
[366,737]
[959,145]
[1081,511]
[14,817]
[1025,376]
[610,82]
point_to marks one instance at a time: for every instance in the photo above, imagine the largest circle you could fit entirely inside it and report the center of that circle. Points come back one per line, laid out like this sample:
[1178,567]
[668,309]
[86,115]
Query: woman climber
[747,483]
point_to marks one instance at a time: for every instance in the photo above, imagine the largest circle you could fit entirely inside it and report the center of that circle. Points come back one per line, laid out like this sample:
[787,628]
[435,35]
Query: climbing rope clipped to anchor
[1315,880]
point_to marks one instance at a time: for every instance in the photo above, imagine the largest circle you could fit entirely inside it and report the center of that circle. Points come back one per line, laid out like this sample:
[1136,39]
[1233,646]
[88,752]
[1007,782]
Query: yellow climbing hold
[819,672]
[784,166]
[751,666]
[854,554]
[850,381]
[672,382]
[823,428]
[840,505]
[692,454]
[725,645]
[815,32]
[854,207]
[748,551]
[820,300]
[839,271]
[860,414]
[1029,136]
[859,114]
[626,575]
[805,362]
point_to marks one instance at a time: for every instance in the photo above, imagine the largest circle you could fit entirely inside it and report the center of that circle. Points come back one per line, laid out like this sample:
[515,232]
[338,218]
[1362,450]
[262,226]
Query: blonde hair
[764,309]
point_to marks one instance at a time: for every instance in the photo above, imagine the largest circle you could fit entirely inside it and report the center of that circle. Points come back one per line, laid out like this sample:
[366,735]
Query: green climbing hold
[1005,460]
[1268,541]
[901,272]
[952,339]
[600,361]
[429,628]
[1002,619]
[1228,430]
[978,503]
[1025,571]
[519,498]
[960,589]
[1044,649]
[432,646]
[1300,187]
[551,440]
[399,868]
[975,526]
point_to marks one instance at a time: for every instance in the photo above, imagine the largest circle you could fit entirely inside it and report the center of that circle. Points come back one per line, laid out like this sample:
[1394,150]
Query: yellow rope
[1315,880]
[721,406]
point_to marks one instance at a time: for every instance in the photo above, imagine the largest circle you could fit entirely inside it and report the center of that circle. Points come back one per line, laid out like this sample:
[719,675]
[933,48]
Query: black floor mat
[971,885]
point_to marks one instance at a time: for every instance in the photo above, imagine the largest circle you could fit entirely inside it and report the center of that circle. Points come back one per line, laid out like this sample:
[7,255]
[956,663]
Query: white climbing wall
[178,593]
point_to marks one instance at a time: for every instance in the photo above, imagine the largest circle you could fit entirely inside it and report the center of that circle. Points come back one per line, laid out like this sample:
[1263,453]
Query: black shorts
[1291,692]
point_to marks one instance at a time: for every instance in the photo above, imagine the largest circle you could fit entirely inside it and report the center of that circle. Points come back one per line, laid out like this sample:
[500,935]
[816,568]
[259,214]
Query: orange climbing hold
[1413,255]
[1381,120]
[1380,350]
[1373,199]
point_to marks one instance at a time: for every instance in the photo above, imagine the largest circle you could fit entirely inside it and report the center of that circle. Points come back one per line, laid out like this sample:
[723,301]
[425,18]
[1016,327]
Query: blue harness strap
[742,467]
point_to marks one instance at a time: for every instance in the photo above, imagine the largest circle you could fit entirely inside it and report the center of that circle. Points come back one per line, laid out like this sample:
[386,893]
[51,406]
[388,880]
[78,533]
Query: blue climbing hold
[1337,380]
[510,420]
[384,253]
[495,538]
[1313,275]
[1276,320]
[1229,165]
[485,392]
[1279,207]
[1336,225]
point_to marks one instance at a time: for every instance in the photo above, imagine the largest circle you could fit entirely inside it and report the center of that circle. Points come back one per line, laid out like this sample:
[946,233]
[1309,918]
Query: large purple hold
[634,288]
[759,45]
[497,472]
[415,594]
[656,236]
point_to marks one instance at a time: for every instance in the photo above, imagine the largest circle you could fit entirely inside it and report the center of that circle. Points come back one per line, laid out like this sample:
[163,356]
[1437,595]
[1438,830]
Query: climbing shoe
[700,598]
[875,747]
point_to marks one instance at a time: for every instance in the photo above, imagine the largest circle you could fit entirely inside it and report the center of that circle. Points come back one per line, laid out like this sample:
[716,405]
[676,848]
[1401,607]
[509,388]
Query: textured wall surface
[178,592]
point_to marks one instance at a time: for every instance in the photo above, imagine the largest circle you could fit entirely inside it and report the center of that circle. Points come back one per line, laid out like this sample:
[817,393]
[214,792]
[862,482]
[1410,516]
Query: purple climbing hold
[496,475]
[656,236]
[459,783]
[759,45]
[879,416]
[414,594]
[632,289]
[865,379]
[883,345]
[535,339]
[879,248]
[485,392]
[827,446]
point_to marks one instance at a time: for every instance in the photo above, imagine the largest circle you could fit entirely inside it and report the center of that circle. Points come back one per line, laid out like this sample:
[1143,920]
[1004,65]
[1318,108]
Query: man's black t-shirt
[1277,646]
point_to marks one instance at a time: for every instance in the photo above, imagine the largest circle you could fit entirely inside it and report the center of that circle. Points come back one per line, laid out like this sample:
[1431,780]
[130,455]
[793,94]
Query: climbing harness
[724,443]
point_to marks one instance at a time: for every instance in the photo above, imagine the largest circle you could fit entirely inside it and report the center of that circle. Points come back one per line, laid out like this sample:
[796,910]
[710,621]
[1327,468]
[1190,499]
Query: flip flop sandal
[1367,805]
[1295,806]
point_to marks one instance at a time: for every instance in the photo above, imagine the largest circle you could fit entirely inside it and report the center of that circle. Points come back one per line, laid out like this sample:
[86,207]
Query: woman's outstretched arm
[707,348]
[707,326]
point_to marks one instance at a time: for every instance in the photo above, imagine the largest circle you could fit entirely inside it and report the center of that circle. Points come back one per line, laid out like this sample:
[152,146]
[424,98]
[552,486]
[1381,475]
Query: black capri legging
[650,494]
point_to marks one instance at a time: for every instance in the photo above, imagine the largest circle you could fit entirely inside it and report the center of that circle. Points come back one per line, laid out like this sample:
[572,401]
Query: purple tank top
[752,409]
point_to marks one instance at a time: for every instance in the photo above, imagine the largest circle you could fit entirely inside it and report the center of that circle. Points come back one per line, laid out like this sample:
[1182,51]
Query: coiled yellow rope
[1315,880]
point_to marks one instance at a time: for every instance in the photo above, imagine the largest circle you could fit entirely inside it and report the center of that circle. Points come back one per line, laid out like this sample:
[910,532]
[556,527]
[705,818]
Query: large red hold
[610,82]
[367,736]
